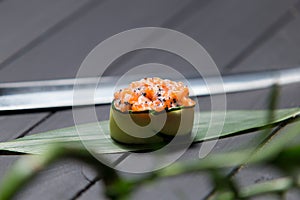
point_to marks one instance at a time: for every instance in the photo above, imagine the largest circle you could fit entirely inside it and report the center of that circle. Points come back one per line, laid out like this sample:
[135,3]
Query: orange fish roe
[152,94]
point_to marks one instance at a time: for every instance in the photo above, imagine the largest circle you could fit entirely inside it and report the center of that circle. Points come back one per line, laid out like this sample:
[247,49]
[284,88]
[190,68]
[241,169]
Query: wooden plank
[6,162]
[95,191]
[22,22]
[289,97]
[224,28]
[13,126]
[49,180]
[61,180]
[235,25]
[278,52]
[64,54]
[60,55]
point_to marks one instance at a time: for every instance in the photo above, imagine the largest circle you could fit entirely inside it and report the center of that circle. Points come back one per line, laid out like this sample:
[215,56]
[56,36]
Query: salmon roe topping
[152,94]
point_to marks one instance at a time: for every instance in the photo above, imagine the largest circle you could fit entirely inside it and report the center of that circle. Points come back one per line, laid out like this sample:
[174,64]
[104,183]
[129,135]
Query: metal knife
[59,93]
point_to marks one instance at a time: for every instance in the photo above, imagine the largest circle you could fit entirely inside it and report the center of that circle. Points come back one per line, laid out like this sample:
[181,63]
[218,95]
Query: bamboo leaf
[239,121]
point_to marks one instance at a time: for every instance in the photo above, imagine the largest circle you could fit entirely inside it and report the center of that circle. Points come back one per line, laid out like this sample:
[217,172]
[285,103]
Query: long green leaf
[239,121]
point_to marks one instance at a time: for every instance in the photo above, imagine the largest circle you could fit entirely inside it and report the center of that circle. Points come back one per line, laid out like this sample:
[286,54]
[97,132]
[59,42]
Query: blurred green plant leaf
[96,135]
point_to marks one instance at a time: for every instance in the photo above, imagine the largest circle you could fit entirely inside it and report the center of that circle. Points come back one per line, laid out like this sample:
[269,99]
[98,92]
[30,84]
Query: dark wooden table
[48,39]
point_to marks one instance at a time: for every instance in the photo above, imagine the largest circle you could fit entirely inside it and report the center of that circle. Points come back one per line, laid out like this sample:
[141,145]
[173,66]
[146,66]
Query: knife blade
[59,93]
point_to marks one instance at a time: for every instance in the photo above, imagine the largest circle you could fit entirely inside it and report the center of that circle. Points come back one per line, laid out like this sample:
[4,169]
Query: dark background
[48,39]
